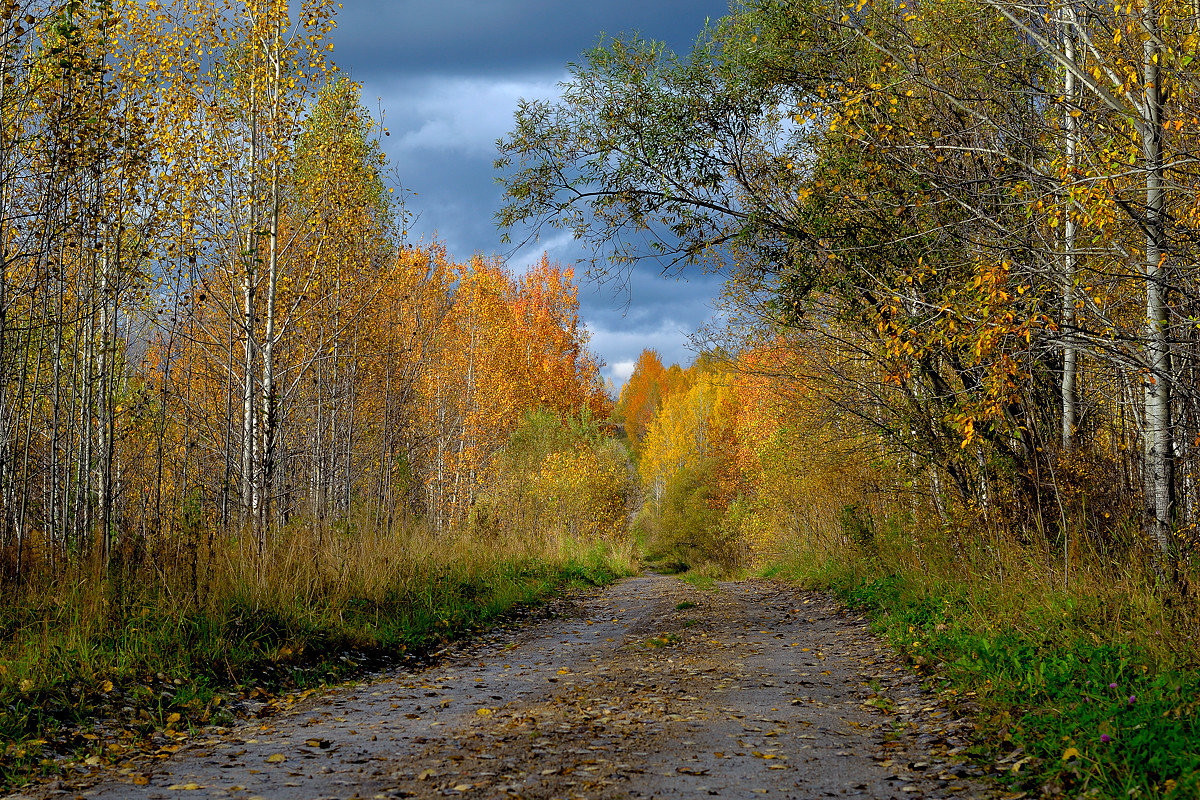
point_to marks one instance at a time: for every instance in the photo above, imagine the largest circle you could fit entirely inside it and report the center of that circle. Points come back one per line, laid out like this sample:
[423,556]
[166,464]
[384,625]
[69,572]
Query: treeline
[211,321]
[967,234]
[736,465]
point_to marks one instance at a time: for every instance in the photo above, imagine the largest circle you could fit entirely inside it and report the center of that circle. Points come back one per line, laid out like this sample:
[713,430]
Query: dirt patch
[649,688]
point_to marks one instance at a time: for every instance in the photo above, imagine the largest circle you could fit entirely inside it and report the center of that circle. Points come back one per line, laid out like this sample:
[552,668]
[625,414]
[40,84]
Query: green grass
[77,658]
[663,640]
[706,575]
[699,580]
[1097,682]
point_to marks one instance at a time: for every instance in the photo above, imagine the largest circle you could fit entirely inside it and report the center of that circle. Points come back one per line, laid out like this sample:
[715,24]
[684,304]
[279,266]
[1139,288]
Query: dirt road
[647,689]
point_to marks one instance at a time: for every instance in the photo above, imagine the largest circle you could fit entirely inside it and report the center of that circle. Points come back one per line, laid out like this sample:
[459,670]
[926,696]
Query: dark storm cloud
[447,77]
[488,36]
[654,311]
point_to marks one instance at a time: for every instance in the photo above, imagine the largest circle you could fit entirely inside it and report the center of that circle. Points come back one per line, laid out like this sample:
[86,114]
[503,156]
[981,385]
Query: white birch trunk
[1158,466]
[1070,354]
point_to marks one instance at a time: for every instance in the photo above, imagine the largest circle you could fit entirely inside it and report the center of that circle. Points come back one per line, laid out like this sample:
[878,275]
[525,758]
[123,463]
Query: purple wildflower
[1112,686]
[1132,699]
[1104,737]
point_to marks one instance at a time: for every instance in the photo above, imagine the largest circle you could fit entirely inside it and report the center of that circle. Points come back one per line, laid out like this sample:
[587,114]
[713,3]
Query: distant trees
[641,396]
[741,455]
[975,222]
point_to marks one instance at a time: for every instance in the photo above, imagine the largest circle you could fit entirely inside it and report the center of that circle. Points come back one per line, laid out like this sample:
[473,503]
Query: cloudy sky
[447,76]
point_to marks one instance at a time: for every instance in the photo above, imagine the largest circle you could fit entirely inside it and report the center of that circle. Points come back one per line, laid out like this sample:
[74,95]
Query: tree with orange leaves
[547,319]
[508,347]
[641,396]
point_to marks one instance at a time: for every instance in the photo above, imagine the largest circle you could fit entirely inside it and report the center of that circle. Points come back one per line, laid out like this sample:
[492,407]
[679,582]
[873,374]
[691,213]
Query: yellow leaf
[277,758]
[484,712]
[106,686]
[1069,753]
[172,718]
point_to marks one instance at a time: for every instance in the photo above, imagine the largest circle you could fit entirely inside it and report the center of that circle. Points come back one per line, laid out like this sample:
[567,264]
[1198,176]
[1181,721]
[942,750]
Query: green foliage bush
[688,528]
[857,525]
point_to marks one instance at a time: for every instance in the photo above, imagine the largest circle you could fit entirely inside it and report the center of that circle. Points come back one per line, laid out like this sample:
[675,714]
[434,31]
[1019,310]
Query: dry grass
[1002,584]
[315,604]
[1086,653]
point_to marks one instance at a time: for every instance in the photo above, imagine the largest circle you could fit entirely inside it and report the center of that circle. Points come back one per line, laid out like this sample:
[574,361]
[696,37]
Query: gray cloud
[478,37]
[448,76]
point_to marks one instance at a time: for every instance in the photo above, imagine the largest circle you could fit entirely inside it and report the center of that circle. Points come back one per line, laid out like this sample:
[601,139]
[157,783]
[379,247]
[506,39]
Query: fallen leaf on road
[277,758]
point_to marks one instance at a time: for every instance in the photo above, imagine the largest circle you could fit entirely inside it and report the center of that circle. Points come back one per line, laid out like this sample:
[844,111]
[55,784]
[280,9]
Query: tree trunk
[1158,457]
[1070,401]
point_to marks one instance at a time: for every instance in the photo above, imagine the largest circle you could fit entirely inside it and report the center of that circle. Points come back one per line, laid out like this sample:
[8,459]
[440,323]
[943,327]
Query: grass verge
[1096,680]
[101,670]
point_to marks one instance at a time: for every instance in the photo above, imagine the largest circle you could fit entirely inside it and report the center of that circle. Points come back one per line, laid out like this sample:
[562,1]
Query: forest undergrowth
[1086,687]
[103,669]
[97,665]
